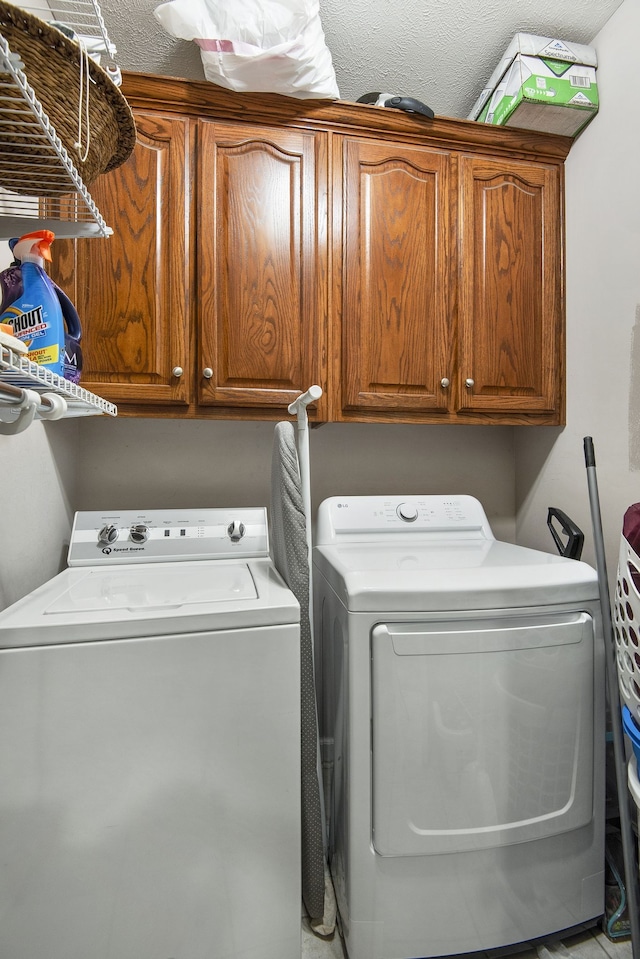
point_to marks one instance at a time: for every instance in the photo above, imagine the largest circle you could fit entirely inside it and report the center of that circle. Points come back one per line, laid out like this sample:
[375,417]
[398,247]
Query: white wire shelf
[68,210]
[83,17]
[23,374]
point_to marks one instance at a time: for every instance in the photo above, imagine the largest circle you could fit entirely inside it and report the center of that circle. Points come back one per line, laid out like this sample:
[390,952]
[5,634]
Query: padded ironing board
[290,555]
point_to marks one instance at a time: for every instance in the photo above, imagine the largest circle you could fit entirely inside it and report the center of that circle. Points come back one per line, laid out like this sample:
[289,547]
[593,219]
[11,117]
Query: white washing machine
[150,746]
[462,709]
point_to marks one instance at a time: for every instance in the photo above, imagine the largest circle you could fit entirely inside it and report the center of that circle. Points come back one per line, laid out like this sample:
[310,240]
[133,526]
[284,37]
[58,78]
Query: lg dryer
[462,694]
[150,746]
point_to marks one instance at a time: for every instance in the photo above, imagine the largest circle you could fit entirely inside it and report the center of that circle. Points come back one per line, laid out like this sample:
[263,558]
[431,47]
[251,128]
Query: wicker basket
[52,64]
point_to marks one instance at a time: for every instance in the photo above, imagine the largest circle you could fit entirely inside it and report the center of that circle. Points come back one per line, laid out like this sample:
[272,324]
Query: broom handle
[626,829]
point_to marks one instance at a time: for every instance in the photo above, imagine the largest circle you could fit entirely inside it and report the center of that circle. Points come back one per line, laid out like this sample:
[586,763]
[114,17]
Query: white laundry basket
[626,623]
[626,614]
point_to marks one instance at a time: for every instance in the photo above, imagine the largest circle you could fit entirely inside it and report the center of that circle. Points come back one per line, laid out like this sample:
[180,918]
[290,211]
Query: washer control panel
[357,518]
[165,536]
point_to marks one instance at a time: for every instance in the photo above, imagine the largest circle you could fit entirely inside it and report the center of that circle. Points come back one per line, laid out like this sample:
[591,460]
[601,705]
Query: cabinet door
[395,341]
[511,318]
[131,290]
[261,265]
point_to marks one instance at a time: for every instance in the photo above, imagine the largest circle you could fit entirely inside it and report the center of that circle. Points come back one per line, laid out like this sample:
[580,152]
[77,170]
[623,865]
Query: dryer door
[482,732]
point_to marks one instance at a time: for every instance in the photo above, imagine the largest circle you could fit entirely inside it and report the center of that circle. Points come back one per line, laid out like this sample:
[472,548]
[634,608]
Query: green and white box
[541,84]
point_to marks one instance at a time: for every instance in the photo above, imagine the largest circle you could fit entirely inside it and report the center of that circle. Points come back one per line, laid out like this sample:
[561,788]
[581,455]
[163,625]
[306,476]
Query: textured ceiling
[440,51]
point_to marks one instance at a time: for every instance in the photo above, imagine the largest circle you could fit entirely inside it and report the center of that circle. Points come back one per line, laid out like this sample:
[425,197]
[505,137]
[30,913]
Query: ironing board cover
[290,555]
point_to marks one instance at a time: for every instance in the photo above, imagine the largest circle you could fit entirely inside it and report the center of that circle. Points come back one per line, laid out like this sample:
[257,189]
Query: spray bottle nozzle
[36,244]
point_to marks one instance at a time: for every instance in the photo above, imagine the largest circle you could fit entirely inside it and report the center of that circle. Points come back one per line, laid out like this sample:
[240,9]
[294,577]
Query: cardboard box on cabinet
[541,84]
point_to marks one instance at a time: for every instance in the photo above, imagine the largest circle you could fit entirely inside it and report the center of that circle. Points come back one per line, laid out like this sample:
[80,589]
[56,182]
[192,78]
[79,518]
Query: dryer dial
[407,512]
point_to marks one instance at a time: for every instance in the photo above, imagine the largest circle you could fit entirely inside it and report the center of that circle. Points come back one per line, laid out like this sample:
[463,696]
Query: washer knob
[139,533]
[235,531]
[107,535]
[407,512]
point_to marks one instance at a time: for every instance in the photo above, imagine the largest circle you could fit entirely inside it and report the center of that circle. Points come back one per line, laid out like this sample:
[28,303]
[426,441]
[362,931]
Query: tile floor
[592,944]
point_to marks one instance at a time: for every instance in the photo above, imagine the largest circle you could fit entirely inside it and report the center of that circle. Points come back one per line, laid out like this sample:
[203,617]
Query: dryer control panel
[358,518]
[163,536]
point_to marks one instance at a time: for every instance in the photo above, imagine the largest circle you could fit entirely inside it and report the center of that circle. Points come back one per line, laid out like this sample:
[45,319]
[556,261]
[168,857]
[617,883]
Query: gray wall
[39,470]
[156,463]
[603,314]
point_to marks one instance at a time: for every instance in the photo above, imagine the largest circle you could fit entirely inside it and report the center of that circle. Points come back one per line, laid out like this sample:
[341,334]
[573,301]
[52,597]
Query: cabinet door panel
[511,293]
[395,278]
[262,250]
[132,289]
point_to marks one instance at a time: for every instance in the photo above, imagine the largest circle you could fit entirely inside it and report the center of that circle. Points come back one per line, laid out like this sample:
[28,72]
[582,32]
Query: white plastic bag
[261,46]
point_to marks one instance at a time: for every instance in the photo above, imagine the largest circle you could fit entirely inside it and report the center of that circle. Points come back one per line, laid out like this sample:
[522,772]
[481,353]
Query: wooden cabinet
[450,290]
[261,304]
[133,289]
[510,314]
[413,269]
[221,245]
[393,329]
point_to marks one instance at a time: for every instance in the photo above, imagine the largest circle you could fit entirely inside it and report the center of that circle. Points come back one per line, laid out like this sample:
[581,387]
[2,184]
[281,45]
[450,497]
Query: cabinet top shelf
[201,99]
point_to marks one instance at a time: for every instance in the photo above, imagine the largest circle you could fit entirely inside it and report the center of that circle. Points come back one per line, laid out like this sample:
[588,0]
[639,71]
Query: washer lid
[465,574]
[164,589]
[96,603]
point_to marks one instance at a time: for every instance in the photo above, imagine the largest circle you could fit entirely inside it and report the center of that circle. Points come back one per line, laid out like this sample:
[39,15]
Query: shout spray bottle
[36,313]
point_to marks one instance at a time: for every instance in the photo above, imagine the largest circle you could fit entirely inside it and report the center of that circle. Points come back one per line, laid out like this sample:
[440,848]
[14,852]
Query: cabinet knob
[468,383]
[177,371]
[207,372]
[444,382]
